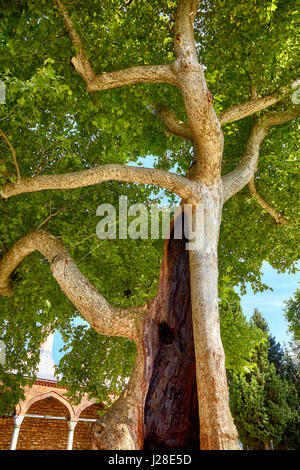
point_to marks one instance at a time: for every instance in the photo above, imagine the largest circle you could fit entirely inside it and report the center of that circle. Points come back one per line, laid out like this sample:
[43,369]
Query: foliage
[265,401]
[89,367]
[239,337]
[55,126]
[292,313]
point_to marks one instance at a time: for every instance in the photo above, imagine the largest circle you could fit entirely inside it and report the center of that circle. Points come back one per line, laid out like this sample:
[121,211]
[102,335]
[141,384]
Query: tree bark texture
[161,397]
[158,407]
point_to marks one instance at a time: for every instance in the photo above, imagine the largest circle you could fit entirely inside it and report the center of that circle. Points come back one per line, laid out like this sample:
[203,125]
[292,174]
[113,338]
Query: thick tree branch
[184,42]
[240,176]
[173,124]
[242,110]
[280,219]
[198,100]
[180,185]
[107,80]
[103,317]
[12,151]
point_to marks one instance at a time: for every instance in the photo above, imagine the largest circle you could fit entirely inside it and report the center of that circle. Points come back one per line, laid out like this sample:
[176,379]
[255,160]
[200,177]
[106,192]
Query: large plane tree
[247,52]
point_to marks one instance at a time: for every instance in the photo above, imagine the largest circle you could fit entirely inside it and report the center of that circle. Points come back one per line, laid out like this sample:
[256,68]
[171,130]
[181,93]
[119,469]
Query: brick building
[46,420]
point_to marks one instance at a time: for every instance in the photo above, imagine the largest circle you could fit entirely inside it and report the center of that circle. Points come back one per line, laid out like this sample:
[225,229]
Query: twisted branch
[240,176]
[103,317]
[13,153]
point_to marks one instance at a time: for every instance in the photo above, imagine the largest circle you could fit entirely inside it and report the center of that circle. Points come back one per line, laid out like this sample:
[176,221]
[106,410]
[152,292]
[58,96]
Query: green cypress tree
[263,401]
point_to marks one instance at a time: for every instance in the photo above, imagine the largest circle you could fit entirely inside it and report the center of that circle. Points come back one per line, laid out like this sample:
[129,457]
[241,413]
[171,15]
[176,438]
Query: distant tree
[258,403]
[276,355]
[292,313]
[239,337]
[265,400]
[258,320]
[289,373]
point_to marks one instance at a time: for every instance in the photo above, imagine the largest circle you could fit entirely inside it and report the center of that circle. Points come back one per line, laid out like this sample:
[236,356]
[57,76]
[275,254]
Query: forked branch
[107,80]
[12,151]
[103,317]
[242,110]
[240,176]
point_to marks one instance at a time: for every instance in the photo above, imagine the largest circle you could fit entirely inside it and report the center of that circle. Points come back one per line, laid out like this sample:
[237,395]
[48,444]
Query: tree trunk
[217,430]
[159,407]
[171,417]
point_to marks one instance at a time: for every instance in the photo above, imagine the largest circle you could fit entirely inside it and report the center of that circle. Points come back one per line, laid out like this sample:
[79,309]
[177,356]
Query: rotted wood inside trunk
[171,406]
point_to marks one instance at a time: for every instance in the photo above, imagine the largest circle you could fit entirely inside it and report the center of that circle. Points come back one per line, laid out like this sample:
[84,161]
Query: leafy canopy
[55,126]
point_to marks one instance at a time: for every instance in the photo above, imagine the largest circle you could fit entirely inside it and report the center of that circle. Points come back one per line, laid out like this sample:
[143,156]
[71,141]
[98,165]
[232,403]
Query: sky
[269,303]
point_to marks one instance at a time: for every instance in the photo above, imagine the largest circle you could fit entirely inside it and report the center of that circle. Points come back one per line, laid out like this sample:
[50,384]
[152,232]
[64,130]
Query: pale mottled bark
[121,428]
[242,110]
[131,174]
[279,218]
[217,430]
[240,176]
[106,319]
[184,43]
[202,119]
[38,240]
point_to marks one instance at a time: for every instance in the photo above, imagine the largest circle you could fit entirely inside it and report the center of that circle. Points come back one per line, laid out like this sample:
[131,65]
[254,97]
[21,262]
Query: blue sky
[271,303]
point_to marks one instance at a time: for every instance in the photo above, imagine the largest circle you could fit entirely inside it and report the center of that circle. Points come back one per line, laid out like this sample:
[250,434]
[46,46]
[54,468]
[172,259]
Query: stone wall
[82,434]
[49,434]
[6,430]
[41,433]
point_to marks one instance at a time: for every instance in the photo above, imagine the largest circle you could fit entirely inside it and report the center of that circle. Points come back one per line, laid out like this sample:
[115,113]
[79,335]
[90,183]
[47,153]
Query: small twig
[13,153]
[253,93]
[50,216]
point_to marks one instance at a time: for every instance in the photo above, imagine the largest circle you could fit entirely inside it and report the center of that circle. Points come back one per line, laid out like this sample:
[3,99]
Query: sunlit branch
[112,172]
[173,125]
[240,176]
[242,110]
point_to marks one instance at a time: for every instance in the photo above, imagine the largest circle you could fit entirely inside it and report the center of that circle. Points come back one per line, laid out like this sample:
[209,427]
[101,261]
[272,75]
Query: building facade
[45,419]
